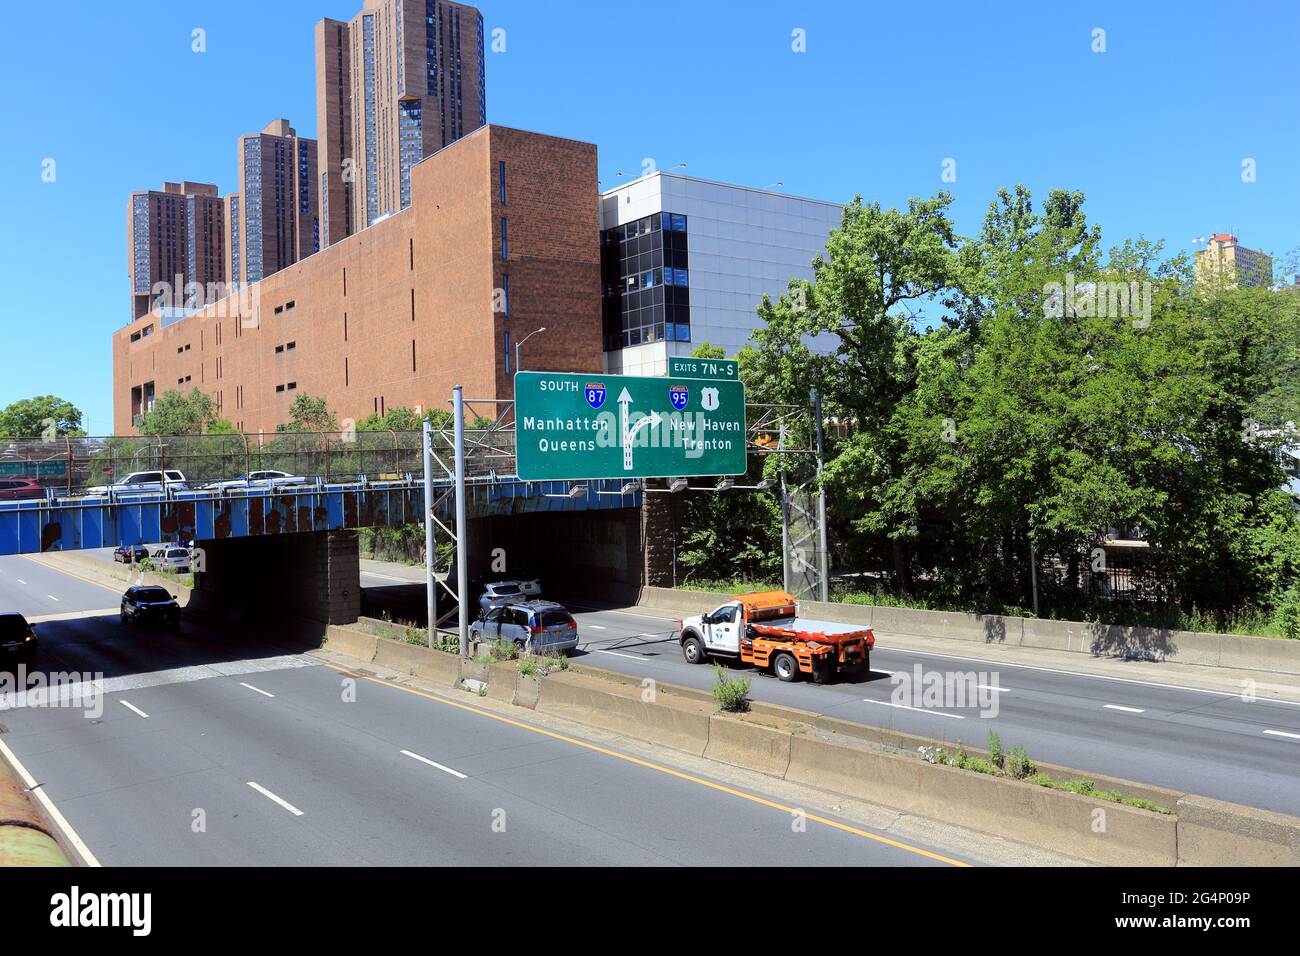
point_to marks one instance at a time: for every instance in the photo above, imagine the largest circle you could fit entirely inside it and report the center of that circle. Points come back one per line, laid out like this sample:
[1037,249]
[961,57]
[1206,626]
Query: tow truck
[764,629]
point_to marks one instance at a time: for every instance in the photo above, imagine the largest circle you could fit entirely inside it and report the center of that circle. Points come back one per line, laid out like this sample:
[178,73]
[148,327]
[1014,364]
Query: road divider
[26,838]
[875,765]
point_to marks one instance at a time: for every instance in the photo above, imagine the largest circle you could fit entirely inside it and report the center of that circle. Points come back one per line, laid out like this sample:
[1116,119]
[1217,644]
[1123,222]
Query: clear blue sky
[1154,130]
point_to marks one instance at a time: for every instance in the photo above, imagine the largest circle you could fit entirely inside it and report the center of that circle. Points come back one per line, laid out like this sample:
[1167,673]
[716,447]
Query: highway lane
[222,746]
[34,590]
[1212,744]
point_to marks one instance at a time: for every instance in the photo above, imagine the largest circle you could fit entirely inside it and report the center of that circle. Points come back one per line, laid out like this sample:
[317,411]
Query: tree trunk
[903,569]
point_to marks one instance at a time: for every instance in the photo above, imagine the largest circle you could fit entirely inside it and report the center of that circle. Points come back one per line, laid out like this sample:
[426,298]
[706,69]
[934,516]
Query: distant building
[175,238]
[398,82]
[274,219]
[1225,263]
[687,260]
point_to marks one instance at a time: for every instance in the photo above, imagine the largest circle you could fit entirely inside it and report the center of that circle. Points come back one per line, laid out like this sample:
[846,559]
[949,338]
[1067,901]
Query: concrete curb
[863,763]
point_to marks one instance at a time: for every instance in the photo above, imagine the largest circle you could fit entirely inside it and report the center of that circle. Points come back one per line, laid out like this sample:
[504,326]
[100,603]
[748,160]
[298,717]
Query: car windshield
[153,594]
[554,618]
[505,588]
[11,626]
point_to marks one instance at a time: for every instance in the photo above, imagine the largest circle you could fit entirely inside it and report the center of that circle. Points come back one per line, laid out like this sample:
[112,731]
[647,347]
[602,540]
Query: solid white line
[597,627]
[1127,710]
[1000,690]
[937,713]
[267,793]
[257,689]
[1122,680]
[131,707]
[56,818]
[434,763]
[631,657]
[53,598]
[1283,733]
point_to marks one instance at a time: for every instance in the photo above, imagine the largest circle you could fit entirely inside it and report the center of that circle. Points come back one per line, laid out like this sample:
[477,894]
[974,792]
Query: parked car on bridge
[16,489]
[130,553]
[534,626]
[141,483]
[171,558]
[258,479]
[17,637]
[150,604]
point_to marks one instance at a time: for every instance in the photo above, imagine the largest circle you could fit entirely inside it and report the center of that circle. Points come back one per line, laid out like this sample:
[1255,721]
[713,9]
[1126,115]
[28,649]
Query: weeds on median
[1017,765]
[731,693]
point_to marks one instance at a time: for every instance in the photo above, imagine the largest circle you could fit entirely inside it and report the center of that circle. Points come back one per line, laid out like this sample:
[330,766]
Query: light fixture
[578,491]
[628,488]
[725,484]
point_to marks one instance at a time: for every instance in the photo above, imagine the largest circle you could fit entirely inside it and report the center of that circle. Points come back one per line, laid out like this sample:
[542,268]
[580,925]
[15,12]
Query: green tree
[308,413]
[176,413]
[42,416]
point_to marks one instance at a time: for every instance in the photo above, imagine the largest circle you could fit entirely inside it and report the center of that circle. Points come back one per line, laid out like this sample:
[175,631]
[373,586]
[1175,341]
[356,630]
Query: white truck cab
[720,629]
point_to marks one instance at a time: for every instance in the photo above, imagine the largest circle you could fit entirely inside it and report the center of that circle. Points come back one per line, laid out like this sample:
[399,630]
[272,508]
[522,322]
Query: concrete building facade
[274,218]
[176,241]
[399,81]
[688,260]
[500,239]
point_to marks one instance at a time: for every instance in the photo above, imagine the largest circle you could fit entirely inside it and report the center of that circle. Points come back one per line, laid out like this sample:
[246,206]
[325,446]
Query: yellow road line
[652,766]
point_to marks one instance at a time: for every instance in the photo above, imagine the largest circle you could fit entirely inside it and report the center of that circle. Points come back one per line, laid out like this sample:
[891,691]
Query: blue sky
[1154,130]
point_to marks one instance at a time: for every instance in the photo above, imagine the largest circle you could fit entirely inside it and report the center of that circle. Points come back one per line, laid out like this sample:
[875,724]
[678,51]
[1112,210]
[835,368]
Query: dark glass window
[645,281]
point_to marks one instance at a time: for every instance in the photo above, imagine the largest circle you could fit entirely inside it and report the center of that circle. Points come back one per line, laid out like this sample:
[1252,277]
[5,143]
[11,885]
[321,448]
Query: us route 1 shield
[584,425]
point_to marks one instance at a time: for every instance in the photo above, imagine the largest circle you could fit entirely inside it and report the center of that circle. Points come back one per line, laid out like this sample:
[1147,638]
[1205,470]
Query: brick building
[501,238]
[175,237]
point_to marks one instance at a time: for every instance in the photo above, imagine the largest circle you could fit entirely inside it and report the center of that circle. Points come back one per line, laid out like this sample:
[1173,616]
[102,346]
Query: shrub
[504,650]
[996,754]
[527,667]
[1287,614]
[1019,765]
[731,693]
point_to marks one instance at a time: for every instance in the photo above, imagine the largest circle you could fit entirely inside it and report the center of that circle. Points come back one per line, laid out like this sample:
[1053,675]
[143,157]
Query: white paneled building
[688,260]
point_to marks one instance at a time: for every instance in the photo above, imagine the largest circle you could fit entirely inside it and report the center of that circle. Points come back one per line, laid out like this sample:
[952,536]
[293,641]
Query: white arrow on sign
[629,434]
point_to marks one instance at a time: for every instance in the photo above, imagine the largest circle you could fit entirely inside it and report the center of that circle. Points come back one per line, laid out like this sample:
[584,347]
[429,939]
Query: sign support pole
[462,531]
[430,585]
[823,558]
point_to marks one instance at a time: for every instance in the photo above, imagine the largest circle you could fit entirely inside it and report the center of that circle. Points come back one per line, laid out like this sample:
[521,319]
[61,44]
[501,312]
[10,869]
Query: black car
[150,605]
[130,554]
[17,637]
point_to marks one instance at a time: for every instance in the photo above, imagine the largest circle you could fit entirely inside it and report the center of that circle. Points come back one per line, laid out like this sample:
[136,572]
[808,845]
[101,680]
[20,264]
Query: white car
[141,483]
[258,479]
[171,558]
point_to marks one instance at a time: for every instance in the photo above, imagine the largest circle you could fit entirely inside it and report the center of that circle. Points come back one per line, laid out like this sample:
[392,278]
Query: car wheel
[693,650]
[785,666]
[124,617]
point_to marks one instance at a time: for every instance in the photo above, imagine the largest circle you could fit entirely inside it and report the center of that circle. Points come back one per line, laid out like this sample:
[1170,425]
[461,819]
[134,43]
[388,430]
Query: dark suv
[17,637]
[150,605]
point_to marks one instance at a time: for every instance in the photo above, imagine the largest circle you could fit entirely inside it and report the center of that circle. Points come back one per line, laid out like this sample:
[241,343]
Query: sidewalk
[391,569]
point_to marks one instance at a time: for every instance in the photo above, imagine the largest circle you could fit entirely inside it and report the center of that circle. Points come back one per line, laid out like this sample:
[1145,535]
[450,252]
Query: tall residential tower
[175,239]
[274,217]
[398,82]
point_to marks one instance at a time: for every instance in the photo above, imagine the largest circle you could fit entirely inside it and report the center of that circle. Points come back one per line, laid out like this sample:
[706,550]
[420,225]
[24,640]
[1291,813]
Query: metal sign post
[823,558]
[462,528]
[430,585]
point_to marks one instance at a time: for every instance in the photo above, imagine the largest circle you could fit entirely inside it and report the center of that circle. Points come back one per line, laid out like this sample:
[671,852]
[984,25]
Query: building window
[505,294]
[501,175]
[279,388]
[646,281]
[507,353]
[505,242]
[291,386]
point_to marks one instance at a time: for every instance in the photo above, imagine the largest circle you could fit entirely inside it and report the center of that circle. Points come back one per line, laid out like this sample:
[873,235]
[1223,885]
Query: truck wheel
[785,666]
[693,650]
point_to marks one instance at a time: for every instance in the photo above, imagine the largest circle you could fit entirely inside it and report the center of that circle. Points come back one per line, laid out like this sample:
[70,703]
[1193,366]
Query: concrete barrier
[742,742]
[619,708]
[1214,833]
[25,839]
[502,680]
[351,642]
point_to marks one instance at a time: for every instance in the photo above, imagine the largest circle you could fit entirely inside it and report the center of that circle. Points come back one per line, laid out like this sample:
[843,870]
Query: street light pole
[520,344]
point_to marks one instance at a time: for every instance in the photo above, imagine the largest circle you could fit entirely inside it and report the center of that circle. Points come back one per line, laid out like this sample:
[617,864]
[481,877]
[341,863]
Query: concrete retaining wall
[1101,640]
[874,765]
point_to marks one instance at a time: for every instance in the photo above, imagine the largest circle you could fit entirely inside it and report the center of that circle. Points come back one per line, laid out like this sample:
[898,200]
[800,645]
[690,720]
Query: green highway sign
[588,425]
[686,367]
[34,469]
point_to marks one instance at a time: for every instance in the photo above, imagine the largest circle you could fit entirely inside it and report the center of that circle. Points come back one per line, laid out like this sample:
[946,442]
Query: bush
[504,651]
[1287,614]
[1019,765]
[527,667]
[731,693]
[417,635]
[996,754]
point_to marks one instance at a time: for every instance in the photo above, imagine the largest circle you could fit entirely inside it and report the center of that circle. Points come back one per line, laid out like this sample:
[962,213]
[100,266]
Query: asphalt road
[1199,742]
[226,748]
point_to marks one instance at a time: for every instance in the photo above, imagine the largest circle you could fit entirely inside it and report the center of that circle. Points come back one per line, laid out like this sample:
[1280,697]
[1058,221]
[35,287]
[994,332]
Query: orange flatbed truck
[764,629]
